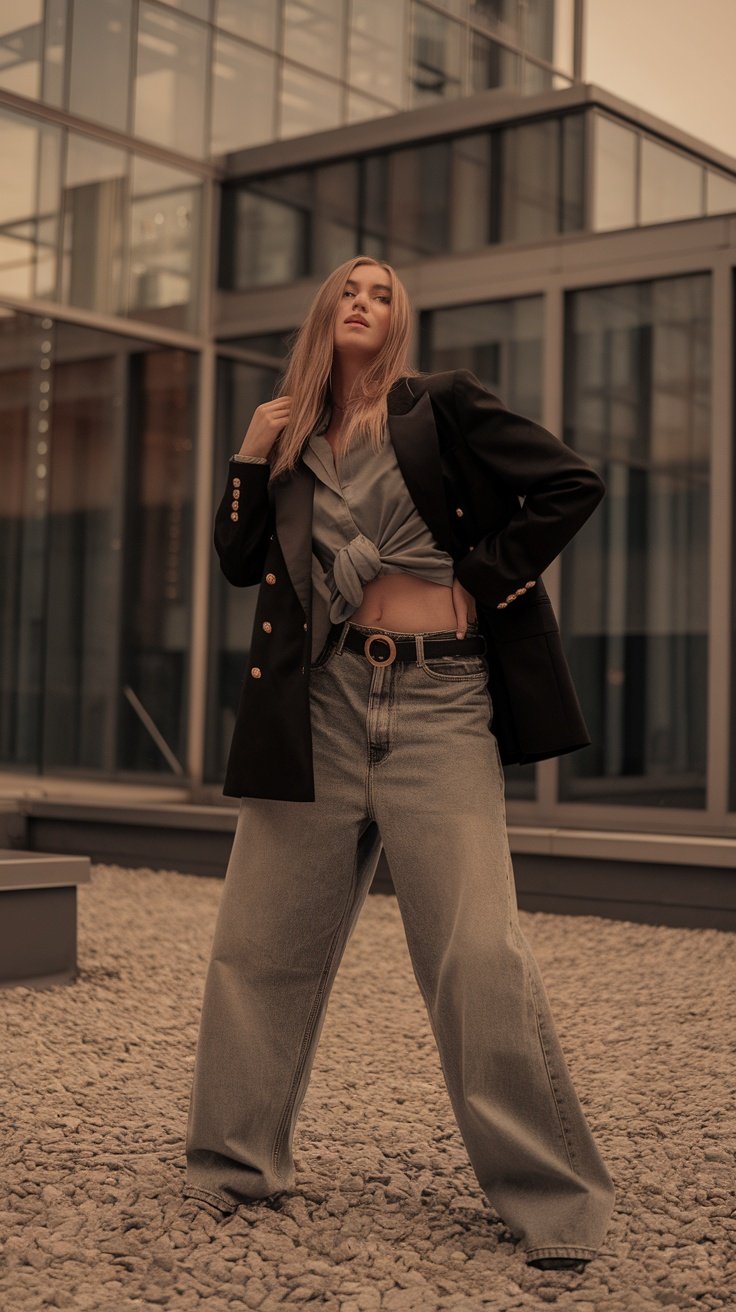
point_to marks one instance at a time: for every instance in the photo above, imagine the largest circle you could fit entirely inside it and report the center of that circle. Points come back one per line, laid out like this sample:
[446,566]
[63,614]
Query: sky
[675,58]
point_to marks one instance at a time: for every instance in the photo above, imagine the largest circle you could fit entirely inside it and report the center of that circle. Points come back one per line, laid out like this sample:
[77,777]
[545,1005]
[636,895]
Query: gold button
[255,672]
[235,505]
[458,510]
[520,592]
[305,625]
[472,548]
[531,583]
[266,626]
[236,494]
[511,596]
[270,578]
[502,605]
[236,482]
[233,515]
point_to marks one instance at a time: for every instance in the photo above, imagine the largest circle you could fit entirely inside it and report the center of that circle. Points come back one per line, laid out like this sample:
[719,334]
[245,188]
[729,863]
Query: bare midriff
[404,602]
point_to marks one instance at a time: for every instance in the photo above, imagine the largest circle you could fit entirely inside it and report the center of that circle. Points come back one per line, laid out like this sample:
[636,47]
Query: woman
[393,668]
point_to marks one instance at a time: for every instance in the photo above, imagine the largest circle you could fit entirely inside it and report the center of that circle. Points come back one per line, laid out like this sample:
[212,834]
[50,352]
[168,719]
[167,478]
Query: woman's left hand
[464,606]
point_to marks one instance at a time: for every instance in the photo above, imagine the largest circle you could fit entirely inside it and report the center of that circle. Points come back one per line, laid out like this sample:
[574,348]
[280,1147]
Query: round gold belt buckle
[380,637]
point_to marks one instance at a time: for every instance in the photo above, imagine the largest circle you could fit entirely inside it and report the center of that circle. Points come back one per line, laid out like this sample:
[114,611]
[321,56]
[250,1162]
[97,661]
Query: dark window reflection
[635,579]
[418,198]
[95,534]
[540,179]
[501,341]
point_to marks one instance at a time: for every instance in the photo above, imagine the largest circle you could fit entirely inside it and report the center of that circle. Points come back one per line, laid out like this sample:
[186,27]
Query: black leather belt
[382,649]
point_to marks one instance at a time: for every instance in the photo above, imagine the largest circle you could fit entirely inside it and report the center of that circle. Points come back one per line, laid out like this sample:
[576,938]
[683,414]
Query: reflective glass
[29,206]
[538,28]
[95,205]
[419,202]
[614,175]
[265,231]
[491,64]
[470,193]
[100,61]
[635,578]
[20,46]
[376,55]
[197,8]
[360,108]
[540,189]
[720,193]
[313,34]
[243,96]
[373,207]
[503,17]
[257,20]
[95,551]
[438,55]
[502,342]
[335,216]
[170,80]
[164,230]
[54,46]
[670,184]
[308,103]
[240,388]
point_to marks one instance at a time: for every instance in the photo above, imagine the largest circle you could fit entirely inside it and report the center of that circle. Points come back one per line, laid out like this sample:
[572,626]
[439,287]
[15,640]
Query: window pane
[502,342]
[361,108]
[376,57]
[95,203]
[313,33]
[491,64]
[100,61]
[170,81]
[720,193]
[374,210]
[635,578]
[419,202]
[503,17]
[335,222]
[265,231]
[438,55]
[614,175]
[539,18]
[197,8]
[20,46]
[529,184]
[156,620]
[164,227]
[240,388]
[29,206]
[572,173]
[470,194]
[308,103]
[243,96]
[670,184]
[55,34]
[257,20]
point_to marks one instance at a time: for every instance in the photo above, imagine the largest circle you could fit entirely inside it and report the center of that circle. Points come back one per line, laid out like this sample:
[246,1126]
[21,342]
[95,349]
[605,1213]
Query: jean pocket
[325,657]
[449,669]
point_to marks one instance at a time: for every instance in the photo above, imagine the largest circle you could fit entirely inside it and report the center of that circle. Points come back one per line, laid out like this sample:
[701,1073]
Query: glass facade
[635,596]
[136,243]
[95,544]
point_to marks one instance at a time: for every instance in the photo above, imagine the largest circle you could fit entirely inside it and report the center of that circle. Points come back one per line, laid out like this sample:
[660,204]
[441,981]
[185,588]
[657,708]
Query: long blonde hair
[306,377]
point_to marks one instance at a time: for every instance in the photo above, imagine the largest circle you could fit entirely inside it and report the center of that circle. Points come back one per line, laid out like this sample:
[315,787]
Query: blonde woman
[403,650]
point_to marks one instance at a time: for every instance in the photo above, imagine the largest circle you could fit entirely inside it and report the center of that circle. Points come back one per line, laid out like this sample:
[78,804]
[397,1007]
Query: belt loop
[419,638]
[343,636]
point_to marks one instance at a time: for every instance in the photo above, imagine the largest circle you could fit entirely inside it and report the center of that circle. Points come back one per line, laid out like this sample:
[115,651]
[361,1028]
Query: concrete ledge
[38,917]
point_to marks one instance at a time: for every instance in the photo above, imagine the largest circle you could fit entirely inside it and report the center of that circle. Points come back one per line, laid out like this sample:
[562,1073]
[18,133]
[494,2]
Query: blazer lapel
[414,436]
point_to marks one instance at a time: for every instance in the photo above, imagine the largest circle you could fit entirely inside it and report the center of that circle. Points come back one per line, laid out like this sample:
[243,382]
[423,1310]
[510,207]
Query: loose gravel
[386,1213]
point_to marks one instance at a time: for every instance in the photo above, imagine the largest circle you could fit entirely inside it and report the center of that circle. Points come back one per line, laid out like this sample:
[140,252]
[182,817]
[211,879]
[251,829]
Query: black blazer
[466,460]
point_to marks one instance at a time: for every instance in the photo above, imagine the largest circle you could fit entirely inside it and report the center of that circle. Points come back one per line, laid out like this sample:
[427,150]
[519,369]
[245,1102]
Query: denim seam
[310,1024]
[207,1196]
[563,1128]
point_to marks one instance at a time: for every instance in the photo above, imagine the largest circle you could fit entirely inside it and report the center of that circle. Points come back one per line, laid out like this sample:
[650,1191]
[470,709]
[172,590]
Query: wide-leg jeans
[403,755]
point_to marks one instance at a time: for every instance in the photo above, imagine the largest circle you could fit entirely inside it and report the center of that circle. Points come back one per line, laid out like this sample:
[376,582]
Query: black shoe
[560,1263]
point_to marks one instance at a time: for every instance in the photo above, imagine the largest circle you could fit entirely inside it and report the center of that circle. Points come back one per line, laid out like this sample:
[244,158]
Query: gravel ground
[386,1213]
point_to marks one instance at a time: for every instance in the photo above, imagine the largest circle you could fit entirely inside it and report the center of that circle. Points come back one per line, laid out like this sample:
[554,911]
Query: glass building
[178,178]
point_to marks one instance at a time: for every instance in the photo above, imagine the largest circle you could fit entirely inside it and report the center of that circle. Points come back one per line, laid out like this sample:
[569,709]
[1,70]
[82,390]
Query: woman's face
[366,296]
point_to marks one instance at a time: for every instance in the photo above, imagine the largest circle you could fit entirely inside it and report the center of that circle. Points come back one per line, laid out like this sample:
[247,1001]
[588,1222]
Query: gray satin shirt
[364,524]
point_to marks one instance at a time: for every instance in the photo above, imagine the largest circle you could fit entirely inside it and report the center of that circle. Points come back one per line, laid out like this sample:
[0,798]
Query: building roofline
[448,118]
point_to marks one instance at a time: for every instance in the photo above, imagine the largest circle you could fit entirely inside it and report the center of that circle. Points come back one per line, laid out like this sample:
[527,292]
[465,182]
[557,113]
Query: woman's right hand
[268,420]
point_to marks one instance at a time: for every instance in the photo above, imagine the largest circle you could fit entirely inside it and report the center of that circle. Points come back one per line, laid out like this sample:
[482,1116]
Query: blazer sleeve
[560,491]
[243,523]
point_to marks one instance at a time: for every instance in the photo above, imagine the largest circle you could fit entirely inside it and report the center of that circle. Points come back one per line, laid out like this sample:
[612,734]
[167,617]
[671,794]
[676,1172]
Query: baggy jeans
[404,756]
